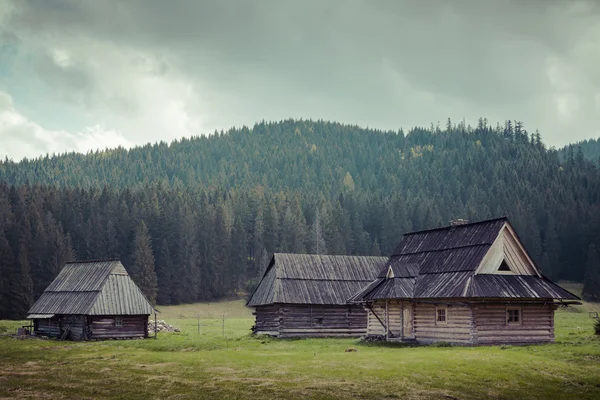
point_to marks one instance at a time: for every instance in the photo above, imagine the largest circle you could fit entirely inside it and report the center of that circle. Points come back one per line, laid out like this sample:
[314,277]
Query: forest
[198,219]
[589,148]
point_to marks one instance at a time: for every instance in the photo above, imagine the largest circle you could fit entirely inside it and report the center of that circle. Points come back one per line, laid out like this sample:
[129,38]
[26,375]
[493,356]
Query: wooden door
[407,320]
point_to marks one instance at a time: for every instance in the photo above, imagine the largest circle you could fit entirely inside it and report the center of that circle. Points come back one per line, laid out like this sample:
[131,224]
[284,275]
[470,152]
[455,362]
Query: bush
[597,326]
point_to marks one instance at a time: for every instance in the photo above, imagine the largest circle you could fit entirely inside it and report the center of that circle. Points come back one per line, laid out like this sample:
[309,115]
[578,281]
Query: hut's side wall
[491,326]
[47,327]
[458,327]
[267,320]
[299,320]
[76,325]
[55,326]
[374,325]
[104,327]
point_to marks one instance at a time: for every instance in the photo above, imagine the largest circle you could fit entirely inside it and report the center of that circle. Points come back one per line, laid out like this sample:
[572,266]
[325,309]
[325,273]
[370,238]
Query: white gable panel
[508,248]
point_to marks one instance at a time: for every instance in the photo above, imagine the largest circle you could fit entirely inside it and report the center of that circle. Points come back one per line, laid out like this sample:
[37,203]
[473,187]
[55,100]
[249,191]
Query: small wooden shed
[92,300]
[302,295]
[466,283]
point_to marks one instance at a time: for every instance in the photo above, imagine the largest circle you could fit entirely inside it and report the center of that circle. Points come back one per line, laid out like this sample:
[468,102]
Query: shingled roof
[314,279]
[92,288]
[442,263]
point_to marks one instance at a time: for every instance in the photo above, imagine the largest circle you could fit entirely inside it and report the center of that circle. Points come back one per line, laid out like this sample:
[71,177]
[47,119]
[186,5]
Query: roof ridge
[325,280]
[437,250]
[94,261]
[504,218]
[324,255]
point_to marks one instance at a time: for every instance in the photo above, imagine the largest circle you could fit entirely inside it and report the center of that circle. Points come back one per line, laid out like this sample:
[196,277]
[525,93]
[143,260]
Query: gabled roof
[93,288]
[314,279]
[449,261]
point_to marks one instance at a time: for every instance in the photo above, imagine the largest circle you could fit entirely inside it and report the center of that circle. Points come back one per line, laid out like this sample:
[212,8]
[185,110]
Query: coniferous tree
[591,283]
[142,269]
[164,270]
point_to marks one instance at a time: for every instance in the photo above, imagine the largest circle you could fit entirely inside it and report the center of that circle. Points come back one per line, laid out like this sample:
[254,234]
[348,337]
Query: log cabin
[92,300]
[467,283]
[303,295]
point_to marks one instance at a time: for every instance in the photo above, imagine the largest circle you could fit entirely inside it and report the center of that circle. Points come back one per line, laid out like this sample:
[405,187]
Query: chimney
[458,222]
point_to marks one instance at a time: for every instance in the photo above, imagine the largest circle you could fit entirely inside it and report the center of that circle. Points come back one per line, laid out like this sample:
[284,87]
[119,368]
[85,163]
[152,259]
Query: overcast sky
[79,75]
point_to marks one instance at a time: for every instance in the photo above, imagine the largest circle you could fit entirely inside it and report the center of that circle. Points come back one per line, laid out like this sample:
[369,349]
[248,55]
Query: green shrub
[597,326]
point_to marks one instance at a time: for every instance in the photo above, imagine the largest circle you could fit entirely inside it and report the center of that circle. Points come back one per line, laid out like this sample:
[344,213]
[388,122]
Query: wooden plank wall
[76,325]
[537,324]
[55,326]
[507,248]
[374,327]
[47,327]
[458,328]
[321,321]
[267,320]
[103,327]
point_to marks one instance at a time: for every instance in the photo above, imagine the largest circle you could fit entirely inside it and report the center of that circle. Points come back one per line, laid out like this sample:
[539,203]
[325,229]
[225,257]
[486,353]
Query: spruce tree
[142,269]
[591,283]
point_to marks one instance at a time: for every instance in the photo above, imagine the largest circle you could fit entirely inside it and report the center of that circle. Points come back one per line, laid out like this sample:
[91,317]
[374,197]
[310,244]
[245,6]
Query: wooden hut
[304,295]
[466,283]
[92,300]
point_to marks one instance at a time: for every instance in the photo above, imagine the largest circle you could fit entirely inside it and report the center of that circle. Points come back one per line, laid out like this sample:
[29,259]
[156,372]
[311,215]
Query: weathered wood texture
[491,327]
[82,327]
[104,327]
[457,328]
[75,324]
[300,320]
[395,317]
[507,248]
[55,327]
[47,327]
[467,324]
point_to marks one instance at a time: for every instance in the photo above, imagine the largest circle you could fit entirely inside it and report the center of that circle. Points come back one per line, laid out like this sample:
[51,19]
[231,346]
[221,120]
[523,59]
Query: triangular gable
[507,256]
[390,273]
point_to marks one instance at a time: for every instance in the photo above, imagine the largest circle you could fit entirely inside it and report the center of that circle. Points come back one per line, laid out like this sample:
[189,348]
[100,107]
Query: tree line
[186,239]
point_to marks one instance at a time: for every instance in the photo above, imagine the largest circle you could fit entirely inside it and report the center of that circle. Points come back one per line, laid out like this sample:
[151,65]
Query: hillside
[210,210]
[588,149]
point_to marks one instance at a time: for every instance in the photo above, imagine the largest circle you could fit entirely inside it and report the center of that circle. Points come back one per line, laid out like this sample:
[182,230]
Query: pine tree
[318,237]
[591,283]
[7,265]
[142,269]
[164,269]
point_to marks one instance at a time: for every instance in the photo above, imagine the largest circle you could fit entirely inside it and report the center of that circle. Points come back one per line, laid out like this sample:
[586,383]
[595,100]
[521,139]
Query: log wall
[267,320]
[76,326]
[468,324]
[491,327]
[103,327]
[300,320]
[47,327]
[458,327]
[374,325]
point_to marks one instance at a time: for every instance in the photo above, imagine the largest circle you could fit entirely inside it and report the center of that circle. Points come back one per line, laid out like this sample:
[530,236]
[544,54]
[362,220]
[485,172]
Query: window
[513,316]
[319,321]
[440,315]
[504,267]
[118,321]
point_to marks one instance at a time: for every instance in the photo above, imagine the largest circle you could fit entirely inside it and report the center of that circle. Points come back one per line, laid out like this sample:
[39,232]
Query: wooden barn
[470,284]
[304,295]
[92,300]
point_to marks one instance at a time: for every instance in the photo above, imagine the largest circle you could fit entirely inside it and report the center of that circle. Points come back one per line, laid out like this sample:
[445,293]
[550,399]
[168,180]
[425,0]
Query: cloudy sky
[79,75]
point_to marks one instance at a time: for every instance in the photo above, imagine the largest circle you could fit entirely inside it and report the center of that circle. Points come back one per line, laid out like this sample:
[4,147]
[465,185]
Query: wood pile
[161,326]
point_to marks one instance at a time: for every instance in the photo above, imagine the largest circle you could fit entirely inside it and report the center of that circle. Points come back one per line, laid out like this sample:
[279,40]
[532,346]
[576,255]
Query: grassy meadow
[236,365]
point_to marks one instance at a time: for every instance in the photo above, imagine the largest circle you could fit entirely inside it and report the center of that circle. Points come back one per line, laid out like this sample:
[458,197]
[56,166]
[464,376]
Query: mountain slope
[216,207]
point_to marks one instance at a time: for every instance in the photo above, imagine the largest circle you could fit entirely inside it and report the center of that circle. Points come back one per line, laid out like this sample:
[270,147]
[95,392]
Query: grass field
[189,365]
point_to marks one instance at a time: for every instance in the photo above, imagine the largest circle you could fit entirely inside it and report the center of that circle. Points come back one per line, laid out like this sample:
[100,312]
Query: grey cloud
[384,64]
